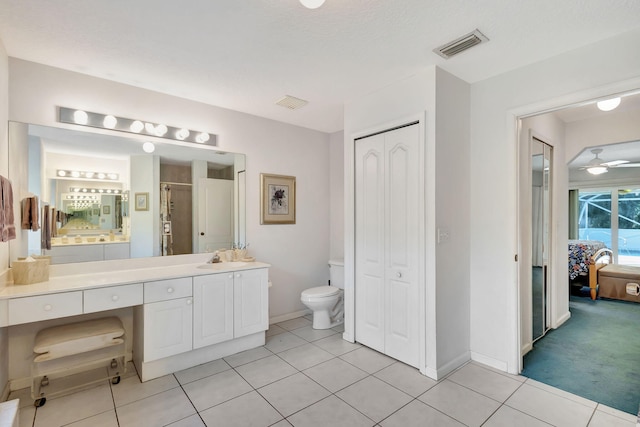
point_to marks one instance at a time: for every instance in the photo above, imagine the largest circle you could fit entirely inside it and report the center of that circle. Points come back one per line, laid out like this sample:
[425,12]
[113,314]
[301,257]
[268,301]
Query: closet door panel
[370,270]
[402,228]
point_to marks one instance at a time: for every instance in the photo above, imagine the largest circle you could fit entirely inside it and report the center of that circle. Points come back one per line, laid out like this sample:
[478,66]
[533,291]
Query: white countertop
[88,275]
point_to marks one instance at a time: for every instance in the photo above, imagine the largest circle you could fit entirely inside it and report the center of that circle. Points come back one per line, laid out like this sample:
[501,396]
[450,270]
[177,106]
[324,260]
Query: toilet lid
[321,291]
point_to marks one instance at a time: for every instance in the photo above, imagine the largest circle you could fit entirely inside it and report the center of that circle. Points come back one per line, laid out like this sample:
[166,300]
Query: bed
[581,253]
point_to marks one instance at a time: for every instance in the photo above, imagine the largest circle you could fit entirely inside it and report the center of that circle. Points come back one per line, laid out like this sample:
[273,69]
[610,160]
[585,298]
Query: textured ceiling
[247,54]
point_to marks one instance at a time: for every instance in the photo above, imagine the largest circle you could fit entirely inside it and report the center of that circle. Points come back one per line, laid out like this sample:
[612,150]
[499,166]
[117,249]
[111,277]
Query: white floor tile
[461,403]
[406,378]
[106,419]
[562,393]
[155,411]
[298,322]
[608,419]
[293,393]
[215,389]
[283,423]
[418,414]
[247,410]
[368,360]
[248,356]
[265,371]
[27,416]
[275,330]
[339,328]
[74,407]
[282,342]
[24,394]
[336,345]
[484,381]
[330,412]
[549,407]
[305,356]
[509,417]
[335,374]
[309,334]
[374,398]
[192,421]
[131,389]
[202,371]
[617,413]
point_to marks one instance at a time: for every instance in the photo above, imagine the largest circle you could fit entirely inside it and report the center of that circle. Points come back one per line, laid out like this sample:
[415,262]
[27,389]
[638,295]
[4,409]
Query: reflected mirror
[185,198]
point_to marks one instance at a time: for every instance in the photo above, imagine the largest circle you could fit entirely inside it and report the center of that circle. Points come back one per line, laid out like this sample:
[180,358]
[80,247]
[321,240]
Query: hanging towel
[45,235]
[7,226]
[54,222]
[30,217]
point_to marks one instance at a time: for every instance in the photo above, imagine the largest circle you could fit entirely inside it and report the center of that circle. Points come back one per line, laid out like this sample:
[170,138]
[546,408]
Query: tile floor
[304,377]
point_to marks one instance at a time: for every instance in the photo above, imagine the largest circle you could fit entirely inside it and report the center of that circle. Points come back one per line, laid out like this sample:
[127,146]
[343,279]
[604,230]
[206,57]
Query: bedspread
[580,256]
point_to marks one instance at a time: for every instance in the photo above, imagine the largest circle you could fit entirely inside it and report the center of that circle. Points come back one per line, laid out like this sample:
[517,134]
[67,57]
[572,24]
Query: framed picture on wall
[278,199]
[106,210]
[142,201]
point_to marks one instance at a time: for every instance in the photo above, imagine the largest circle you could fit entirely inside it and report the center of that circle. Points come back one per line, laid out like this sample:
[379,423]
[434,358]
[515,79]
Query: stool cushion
[80,337]
[620,271]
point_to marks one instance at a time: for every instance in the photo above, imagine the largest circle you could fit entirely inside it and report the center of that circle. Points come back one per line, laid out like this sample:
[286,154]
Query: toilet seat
[319,292]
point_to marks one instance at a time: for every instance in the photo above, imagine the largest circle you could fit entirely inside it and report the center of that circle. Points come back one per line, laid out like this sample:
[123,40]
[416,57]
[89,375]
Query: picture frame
[106,210]
[277,199]
[141,201]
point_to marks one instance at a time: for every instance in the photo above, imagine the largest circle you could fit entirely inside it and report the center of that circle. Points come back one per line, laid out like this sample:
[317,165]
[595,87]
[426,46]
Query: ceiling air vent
[461,44]
[291,102]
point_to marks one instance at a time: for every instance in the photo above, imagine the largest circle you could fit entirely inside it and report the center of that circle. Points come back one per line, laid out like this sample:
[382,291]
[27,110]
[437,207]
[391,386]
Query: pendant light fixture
[312,4]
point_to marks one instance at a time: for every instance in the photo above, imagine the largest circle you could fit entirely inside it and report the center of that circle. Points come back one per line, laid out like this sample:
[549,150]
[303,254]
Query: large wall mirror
[108,198]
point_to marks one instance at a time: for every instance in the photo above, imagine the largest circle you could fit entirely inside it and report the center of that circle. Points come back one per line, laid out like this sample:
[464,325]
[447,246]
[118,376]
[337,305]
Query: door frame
[426,273]
[514,117]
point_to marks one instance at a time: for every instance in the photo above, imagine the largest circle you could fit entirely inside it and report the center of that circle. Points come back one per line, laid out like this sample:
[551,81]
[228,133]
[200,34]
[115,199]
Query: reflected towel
[45,236]
[7,226]
[30,220]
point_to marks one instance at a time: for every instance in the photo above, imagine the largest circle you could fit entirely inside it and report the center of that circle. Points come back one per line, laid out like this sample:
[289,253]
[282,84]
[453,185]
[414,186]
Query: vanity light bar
[140,127]
[105,176]
[94,190]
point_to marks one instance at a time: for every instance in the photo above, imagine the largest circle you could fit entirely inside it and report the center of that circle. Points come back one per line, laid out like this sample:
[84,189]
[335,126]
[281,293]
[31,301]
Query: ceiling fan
[596,166]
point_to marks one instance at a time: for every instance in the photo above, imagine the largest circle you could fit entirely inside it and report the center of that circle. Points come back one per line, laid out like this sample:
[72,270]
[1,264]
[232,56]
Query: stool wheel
[38,403]
[115,380]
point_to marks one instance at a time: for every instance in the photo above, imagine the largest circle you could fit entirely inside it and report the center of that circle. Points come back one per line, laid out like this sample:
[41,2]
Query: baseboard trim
[562,319]
[5,393]
[447,368]
[490,361]
[283,317]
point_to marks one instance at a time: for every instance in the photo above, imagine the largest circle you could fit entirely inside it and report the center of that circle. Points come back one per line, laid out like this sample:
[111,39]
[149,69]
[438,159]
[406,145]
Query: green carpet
[595,354]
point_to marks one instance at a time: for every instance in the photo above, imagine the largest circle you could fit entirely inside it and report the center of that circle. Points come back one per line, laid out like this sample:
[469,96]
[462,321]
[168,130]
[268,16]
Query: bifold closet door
[387,243]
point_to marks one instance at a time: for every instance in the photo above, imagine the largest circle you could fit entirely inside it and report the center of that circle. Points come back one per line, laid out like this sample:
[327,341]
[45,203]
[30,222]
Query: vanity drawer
[112,297]
[163,290]
[44,307]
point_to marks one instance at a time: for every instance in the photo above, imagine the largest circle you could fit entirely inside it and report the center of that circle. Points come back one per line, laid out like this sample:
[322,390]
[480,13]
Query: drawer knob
[238,275]
[189,302]
[47,307]
[170,290]
[115,298]
[231,276]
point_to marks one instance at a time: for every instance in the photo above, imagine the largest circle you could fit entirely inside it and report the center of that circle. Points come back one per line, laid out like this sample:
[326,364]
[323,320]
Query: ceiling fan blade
[628,165]
[615,163]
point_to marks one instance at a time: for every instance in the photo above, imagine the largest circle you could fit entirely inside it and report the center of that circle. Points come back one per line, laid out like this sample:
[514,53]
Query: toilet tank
[336,273]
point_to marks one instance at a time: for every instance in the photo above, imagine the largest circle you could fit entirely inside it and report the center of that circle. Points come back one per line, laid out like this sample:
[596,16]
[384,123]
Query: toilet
[326,302]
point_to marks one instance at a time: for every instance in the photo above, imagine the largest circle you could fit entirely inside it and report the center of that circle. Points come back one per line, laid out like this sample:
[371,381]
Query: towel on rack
[30,217]
[7,226]
[45,236]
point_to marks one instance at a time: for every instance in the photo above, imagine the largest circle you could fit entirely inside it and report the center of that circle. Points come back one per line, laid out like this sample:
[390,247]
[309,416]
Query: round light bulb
[148,147]
[88,174]
[609,104]
[62,173]
[161,130]
[75,174]
[149,128]
[113,176]
[80,117]
[101,175]
[202,137]
[312,4]
[109,122]
[182,134]
[136,126]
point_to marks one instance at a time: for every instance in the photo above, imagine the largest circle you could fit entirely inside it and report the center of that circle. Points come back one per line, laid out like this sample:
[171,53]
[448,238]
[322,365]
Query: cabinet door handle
[238,275]
[231,276]
[115,298]
[189,301]
[399,274]
[47,307]
[170,290]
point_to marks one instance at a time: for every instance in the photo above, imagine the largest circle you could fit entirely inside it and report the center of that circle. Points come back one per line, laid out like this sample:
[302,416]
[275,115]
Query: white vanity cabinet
[213,309]
[251,302]
[166,317]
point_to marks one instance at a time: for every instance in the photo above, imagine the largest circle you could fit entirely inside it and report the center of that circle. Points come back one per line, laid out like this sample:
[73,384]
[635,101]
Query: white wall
[589,72]
[4,169]
[298,253]
[336,194]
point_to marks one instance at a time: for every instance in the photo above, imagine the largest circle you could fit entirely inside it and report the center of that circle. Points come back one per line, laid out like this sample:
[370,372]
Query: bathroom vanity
[185,311]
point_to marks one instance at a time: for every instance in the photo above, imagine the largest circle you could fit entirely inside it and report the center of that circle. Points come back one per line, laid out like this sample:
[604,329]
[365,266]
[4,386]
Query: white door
[212,309]
[387,243]
[215,214]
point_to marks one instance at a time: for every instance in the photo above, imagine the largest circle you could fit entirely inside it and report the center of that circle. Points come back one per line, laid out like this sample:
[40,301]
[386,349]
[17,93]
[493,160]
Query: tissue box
[28,272]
